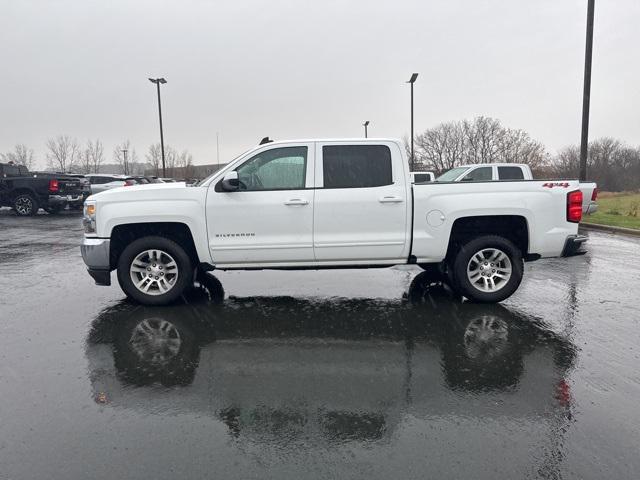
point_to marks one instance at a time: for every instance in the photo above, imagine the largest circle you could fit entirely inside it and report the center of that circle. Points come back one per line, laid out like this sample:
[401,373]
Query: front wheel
[154,270]
[488,269]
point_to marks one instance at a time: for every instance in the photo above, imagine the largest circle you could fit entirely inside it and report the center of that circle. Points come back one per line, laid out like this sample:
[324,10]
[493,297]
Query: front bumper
[95,253]
[572,245]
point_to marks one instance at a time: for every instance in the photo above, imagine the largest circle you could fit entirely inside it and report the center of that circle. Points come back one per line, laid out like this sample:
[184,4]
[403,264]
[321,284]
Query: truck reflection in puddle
[330,371]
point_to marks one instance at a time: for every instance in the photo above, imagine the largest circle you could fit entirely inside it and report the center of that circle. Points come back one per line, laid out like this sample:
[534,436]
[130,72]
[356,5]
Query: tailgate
[69,186]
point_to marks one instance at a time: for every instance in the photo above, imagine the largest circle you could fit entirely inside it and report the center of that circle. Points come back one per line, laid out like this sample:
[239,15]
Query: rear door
[361,203]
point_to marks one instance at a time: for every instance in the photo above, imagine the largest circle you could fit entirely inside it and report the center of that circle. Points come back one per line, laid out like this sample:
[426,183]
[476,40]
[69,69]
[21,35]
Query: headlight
[89,219]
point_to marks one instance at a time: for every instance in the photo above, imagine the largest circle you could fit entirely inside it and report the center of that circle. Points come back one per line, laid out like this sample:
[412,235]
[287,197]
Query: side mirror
[230,182]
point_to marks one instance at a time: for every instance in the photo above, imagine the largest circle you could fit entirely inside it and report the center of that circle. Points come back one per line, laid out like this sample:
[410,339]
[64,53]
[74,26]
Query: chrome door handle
[391,199]
[297,201]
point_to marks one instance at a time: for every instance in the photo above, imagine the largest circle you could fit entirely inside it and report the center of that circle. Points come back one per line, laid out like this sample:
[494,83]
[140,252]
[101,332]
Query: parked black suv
[27,191]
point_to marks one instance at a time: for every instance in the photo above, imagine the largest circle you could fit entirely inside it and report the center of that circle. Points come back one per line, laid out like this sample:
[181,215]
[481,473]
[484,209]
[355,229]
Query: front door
[269,221]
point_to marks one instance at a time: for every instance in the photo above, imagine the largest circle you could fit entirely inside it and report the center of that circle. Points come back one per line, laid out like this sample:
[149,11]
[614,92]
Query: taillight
[594,195]
[574,206]
[128,183]
[54,186]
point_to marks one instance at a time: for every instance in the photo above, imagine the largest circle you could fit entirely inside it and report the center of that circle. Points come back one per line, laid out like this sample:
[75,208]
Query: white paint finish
[544,210]
[335,227]
[353,224]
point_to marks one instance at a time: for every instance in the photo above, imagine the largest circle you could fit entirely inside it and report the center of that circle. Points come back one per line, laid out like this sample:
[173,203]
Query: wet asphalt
[317,374]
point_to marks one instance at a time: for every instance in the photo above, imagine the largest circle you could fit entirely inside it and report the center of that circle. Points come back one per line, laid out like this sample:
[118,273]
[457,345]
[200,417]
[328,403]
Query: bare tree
[171,160]
[612,164]
[481,140]
[126,157]
[93,156]
[185,162]
[63,154]
[21,155]
[154,158]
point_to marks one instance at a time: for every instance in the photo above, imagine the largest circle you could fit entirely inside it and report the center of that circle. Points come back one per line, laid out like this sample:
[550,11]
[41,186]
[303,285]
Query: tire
[155,349]
[25,205]
[432,272]
[158,256]
[488,269]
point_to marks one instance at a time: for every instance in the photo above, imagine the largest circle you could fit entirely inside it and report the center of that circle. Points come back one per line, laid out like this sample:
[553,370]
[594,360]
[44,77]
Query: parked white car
[420,177]
[324,204]
[487,172]
[101,182]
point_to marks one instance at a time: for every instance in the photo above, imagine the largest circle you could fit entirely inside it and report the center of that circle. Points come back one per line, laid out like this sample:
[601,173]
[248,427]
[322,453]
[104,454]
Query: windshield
[451,175]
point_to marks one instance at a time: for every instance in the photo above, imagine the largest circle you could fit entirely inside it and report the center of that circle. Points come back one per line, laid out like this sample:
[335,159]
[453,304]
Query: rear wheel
[25,205]
[154,270]
[488,269]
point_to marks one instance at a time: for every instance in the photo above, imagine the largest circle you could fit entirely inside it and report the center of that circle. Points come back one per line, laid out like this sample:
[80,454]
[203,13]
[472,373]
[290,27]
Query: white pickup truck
[315,204]
[486,172]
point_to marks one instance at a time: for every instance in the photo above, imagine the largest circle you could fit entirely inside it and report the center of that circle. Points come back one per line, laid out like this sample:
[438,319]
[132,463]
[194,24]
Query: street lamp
[412,80]
[125,166]
[586,93]
[365,125]
[158,81]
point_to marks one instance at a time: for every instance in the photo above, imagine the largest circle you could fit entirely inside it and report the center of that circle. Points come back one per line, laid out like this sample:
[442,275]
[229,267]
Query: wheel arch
[21,190]
[123,234]
[512,227]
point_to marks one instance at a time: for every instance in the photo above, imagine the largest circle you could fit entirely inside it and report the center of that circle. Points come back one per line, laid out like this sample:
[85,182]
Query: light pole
[586,93]
[158,81]
[412,80]
[365,125]
[126,167]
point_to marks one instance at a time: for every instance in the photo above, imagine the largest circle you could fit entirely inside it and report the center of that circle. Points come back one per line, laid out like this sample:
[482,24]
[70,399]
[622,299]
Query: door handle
[391,199]
[297,201]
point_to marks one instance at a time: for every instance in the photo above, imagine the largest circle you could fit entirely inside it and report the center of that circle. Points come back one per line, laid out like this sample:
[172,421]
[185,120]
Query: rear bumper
[95,253]
[572,245]
[63,199]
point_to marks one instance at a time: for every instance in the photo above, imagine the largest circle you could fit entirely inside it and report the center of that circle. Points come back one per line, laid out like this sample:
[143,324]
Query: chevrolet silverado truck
[26,192]
[327,204]
[486,172]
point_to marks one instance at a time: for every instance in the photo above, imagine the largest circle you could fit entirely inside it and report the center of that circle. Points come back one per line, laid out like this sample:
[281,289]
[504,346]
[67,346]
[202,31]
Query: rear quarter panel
[437,206]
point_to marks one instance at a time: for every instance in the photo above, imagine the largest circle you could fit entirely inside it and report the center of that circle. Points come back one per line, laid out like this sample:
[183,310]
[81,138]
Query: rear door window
[356,166]
[510,173]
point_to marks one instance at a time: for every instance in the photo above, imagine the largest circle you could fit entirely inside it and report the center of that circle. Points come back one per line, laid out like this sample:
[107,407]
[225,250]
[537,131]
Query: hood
[141,191]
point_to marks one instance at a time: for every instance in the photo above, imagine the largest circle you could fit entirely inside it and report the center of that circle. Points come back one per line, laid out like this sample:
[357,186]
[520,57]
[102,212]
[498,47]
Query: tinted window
[11,170]
[276,169]
[479,175]
[510,173]
[356,166]
[421,177]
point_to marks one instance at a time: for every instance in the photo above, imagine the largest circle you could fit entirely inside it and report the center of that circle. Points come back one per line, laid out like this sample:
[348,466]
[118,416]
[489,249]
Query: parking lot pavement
[327,374]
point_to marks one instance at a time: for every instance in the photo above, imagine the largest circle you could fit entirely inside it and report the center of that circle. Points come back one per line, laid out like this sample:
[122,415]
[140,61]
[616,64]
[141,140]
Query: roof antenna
[265,140]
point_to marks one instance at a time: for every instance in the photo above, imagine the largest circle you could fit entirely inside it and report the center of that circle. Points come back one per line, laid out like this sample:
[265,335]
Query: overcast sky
[301,69]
